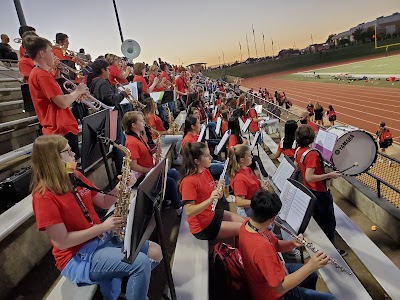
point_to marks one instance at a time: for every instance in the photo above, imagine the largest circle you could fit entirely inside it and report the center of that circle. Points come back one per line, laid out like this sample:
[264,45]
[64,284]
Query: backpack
[386,137]
[332,115]
[227,279]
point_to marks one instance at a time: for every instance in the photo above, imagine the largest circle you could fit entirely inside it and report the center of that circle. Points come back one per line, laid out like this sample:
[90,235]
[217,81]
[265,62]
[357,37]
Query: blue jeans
[171,191]
[306,289]
[216,170]
[107,264]
[161,112]
[212,126]
[172,108]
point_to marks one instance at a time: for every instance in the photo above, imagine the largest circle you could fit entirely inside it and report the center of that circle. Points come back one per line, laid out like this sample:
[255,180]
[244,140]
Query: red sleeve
[312,160]
[49,85]
[152,120]
[25,66]
[46,211]
[188,190]
[144,85]
[239,187]
[134,148]
[252,113]
[114,71]
[271,268]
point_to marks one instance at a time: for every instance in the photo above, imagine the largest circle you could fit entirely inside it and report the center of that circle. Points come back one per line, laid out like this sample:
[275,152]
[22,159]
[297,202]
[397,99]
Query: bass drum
[353,146]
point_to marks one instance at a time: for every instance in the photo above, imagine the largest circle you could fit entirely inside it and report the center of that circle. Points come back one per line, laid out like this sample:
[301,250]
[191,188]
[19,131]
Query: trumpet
[66,52]
[17,40]
[132,100]
[90,101]
[65,69]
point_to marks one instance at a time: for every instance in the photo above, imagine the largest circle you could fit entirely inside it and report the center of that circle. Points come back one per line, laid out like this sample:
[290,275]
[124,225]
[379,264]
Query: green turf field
[385,65]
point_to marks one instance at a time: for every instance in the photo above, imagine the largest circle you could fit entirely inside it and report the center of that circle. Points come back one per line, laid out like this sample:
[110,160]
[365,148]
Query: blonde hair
[129,118]
[153,68]
[241,99]
[138,67]
[317,106]
[111,58]
[235,154]
[150,108]
[49,171]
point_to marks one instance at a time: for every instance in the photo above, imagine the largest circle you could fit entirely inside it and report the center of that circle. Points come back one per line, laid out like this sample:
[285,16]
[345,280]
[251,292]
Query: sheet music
[298,209]
[218,127]
[324,143]
[287,196]
[246,125]
[157,96]
[134,91]
[284,171]
[129,227]
[203,130]
[215,110]
[258,108]
[222,142]
[254,142]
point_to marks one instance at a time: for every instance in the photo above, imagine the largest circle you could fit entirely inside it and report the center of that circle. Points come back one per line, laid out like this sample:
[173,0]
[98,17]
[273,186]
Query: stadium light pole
[119,24]
[20,13]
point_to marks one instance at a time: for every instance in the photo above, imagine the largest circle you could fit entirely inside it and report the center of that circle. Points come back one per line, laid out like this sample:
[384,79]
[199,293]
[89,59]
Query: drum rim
[375,156]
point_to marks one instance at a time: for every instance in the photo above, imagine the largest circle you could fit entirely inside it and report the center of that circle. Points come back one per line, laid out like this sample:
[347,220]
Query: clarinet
[219,185]
[311,246]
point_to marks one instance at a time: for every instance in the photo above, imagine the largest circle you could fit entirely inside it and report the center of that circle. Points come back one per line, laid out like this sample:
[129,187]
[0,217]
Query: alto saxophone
[172,125]
[124,191]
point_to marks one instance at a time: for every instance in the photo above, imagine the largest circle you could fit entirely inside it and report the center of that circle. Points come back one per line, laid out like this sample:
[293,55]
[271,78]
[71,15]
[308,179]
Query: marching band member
[198,193]
[25,64]
[104,91]
[84,248]
[164,74]
[116,74]
[243,181]
[181,87]
[51,105]
[267,276]
[139,69]
[153,73]
[142,156]
[21,31]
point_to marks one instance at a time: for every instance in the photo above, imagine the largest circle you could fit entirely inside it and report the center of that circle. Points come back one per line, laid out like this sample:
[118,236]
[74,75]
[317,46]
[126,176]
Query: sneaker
[230,198]
[342,253]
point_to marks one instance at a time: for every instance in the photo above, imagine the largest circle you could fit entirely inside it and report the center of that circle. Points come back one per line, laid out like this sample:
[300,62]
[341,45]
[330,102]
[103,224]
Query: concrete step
[13,110]
[7,82]
[15,138]
[10,93]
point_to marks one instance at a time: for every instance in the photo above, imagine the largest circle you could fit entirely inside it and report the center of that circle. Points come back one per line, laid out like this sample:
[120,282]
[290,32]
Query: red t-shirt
[181,84]
[313,126]
[26,66]
[189,138]
[288,152]
[224,127]
[312,161]
[245,183]
[262,265]
[198,188]
[59,54]
[232,141]
[140,151]
[165,75]
[155,121]
[140,78]
[114,75]
[156,89]
[253,125]
[55,120]
[51,209]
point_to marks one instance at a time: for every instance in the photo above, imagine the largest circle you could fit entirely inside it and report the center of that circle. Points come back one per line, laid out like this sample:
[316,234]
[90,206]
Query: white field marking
[340,101]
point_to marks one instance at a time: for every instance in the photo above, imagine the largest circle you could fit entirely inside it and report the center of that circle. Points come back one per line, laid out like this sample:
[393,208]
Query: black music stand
[147,217]
[95,128]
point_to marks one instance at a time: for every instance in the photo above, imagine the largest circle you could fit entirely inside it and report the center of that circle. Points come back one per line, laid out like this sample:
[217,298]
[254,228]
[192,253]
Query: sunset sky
[183,32]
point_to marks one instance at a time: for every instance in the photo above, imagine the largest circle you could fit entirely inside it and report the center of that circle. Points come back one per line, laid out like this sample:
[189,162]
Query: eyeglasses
[69,150]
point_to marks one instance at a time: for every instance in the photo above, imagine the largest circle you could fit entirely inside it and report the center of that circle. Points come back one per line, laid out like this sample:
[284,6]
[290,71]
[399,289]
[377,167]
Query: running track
[360,106]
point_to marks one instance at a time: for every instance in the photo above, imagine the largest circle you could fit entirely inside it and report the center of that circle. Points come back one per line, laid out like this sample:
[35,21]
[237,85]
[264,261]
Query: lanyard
[143,141]
[82,205]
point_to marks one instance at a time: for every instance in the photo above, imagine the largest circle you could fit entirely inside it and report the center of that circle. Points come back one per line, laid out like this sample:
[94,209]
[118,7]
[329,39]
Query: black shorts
[212,230]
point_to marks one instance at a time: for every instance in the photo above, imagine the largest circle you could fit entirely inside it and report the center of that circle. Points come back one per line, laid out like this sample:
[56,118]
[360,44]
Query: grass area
[325,79]
[384,65]
[301,61]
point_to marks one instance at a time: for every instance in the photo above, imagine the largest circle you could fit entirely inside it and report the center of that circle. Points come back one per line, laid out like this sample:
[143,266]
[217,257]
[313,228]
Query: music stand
[95,127]
[147,217]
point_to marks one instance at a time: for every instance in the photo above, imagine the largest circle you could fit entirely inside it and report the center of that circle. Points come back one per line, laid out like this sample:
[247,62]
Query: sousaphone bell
[130,49]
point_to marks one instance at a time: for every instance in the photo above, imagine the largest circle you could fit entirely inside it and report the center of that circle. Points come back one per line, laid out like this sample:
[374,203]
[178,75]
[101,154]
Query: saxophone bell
[132,100]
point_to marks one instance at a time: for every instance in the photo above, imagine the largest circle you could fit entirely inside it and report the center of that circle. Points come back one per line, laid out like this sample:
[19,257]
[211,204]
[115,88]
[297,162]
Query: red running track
[360,106]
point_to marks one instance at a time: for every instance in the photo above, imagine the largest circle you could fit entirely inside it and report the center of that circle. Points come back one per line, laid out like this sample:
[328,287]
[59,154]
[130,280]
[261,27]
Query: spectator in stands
[6,52]
[319,114]
[331,115]
[51,105]
[288,145]
[142,157]
[84,248]
[103,90]
[199,191]
[267,277]
[305,120]
[310,109]
[311,166]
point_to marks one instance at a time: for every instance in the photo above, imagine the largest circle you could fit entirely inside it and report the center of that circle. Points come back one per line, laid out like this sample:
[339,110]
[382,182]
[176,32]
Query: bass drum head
[354,146]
